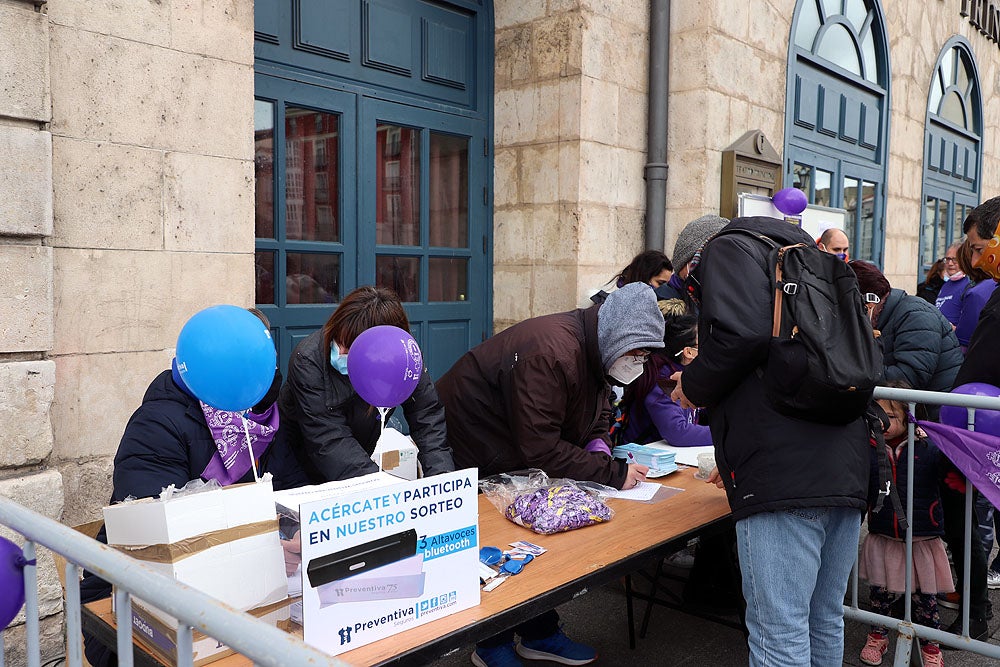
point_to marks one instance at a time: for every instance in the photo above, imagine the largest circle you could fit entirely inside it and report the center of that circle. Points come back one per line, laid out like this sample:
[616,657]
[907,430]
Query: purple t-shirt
[949,299]
[673,423]
[972,304]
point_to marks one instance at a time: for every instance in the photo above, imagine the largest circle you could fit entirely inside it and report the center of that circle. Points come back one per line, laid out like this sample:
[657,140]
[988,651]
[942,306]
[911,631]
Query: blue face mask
[338,360]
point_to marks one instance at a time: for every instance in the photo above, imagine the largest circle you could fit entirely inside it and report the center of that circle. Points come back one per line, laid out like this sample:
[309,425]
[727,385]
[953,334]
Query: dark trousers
[953,505]
[539,627]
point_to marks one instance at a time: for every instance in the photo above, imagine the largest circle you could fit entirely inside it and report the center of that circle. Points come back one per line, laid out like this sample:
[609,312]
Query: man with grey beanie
[689,242]
[536,396]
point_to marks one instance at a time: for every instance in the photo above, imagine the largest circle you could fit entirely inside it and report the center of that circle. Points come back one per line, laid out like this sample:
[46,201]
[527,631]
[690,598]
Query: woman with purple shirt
[949,298]
[650,414]
[980,288]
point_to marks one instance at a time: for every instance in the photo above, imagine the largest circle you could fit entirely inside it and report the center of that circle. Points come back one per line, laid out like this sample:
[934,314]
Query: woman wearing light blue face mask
[332,429]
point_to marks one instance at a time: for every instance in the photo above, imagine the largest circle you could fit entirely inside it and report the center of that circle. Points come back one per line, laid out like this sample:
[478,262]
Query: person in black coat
[332,429]
[797,488]
[168,441]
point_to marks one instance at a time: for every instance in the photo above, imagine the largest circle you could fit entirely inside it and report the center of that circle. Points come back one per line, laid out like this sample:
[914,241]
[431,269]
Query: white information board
[814,220]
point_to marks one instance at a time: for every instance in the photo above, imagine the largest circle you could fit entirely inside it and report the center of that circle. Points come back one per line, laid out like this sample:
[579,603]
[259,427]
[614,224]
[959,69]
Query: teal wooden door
[373,133]
[306,206]
[423,204]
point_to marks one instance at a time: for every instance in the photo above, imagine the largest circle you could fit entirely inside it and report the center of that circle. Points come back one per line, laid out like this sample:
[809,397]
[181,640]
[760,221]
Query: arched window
[952,150]
[836,114]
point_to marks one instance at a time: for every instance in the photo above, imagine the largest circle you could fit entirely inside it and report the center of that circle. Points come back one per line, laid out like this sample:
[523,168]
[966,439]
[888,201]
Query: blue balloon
[226,357]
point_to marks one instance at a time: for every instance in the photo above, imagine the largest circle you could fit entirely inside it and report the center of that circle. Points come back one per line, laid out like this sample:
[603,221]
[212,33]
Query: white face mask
[627,368]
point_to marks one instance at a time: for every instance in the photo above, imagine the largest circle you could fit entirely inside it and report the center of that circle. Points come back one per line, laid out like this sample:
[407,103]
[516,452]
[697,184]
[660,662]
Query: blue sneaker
[498,656]
[556,648]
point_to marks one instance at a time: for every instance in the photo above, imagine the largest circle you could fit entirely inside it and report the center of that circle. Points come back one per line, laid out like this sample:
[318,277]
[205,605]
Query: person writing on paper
[536,396]
[332,429]
[173,438]
[648,411]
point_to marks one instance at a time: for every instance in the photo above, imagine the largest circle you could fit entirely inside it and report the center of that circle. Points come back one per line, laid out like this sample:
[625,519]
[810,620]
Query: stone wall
[126,193]
[570,129]
[152,149]
[27,375]
[570,133]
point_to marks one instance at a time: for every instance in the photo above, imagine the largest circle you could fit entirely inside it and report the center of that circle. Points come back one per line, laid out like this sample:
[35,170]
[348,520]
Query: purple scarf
[230,462]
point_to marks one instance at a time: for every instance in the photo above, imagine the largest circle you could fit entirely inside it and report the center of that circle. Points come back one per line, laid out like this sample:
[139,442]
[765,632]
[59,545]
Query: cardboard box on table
[160,638]
[382,556]
[224,542]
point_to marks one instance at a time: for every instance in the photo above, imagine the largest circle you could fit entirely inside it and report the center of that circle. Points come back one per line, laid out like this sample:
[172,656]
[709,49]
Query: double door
[353,190]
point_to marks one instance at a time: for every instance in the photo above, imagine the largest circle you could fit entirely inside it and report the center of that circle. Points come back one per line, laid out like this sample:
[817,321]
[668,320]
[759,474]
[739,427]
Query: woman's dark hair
[964,256]
[934,272]
[643,268]
[364,308]
[680,331]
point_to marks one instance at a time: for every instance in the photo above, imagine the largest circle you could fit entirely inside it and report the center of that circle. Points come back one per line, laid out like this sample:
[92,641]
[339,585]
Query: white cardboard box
[222,542]
[396,454]
[160,637]
[154,521]
[381,559]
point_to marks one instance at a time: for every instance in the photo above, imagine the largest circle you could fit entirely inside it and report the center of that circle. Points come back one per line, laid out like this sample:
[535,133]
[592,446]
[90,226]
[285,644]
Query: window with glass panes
[952,151]
[836,121]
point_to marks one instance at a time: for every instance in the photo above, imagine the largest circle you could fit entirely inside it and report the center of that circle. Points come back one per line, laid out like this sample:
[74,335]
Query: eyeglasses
[949,260]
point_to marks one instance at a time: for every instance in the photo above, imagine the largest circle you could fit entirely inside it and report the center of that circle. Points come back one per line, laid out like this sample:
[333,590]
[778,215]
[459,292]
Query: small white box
[396,454]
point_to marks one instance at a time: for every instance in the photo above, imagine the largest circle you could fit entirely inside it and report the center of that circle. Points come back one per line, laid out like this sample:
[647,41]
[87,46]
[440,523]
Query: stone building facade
[127,184]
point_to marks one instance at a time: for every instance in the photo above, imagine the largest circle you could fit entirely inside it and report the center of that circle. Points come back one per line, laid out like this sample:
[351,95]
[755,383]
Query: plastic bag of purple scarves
[529,498]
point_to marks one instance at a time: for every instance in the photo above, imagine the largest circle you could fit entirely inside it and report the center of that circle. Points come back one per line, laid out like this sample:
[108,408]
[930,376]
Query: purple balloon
[384,365]
[790,201]
[11,581]
[987,421]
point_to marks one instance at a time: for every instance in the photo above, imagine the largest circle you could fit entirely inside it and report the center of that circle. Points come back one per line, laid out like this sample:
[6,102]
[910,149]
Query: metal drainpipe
[655,171]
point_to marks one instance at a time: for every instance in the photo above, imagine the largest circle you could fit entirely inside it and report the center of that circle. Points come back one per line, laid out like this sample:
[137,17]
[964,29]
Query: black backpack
[823,360]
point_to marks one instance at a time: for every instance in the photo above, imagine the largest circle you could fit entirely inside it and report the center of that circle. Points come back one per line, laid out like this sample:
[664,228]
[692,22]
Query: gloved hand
[955,481]
[598,445]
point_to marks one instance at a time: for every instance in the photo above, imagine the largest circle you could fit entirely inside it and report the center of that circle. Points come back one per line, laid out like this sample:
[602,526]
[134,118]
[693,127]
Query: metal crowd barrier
[260,642]
[906,630]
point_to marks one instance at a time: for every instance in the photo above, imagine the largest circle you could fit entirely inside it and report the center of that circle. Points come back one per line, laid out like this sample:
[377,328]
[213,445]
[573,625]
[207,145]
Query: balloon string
[253,462]
[382,415]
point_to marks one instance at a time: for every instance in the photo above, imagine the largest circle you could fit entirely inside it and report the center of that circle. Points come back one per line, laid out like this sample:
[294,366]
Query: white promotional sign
[383,560]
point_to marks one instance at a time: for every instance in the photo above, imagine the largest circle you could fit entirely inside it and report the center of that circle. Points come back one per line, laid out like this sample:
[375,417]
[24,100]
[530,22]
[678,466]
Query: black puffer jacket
[929,469]
[768,461]
[334,431]
[168,442]
[918,343]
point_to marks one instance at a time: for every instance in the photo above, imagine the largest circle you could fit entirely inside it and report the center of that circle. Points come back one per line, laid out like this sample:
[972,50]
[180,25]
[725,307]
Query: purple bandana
[230,462]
